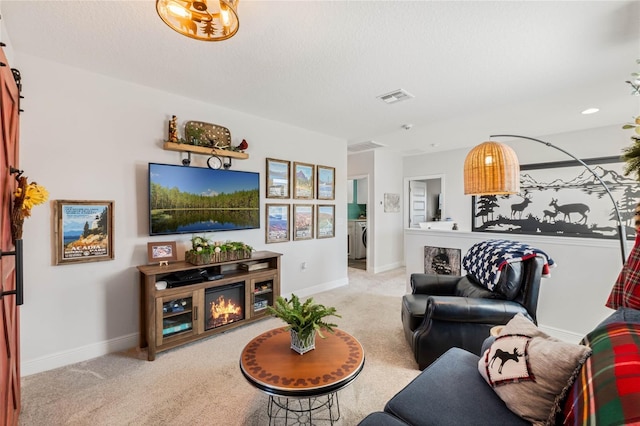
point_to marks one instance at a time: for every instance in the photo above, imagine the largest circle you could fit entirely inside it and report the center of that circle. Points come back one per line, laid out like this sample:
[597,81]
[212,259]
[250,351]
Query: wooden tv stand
[175,316]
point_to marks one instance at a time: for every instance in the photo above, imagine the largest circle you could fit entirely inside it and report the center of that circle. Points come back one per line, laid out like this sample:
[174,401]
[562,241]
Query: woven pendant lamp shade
[491,168]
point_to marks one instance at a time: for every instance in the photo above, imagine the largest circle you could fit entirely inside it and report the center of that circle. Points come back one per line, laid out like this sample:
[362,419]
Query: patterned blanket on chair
[607,390]
[485,260]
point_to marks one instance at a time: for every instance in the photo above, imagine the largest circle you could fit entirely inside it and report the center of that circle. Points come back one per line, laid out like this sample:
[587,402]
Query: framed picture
[163,251]
[277,229]
[83,231]
[302,221]
[326,221]
[392,203]
[564,199]
[326,178]
[303,181]
[278,184]
[442,261]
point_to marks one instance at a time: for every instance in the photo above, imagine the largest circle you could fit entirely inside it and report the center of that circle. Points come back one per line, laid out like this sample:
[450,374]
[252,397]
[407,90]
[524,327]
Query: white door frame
[369,260]
[407,209]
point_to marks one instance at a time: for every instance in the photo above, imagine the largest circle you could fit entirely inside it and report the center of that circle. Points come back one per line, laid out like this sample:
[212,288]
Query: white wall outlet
[303,266]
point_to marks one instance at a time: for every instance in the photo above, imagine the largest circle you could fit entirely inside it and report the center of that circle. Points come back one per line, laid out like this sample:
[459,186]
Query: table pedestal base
[300,411]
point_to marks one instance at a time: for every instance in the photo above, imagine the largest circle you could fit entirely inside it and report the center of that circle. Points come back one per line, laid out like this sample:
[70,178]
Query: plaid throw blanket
[607,390]
[485,260]
[626,290]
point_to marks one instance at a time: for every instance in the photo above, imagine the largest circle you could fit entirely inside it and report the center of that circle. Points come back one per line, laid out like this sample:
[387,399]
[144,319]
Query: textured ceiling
[475,67]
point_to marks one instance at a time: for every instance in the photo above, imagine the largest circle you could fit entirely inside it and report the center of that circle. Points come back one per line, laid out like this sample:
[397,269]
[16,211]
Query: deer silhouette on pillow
[504,357]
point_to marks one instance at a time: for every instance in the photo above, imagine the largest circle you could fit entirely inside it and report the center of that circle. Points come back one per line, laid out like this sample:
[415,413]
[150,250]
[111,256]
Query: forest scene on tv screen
[193,199]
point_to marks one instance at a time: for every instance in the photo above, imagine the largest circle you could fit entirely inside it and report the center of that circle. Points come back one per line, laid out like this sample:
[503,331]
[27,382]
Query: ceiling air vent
[396,96]
[363,146]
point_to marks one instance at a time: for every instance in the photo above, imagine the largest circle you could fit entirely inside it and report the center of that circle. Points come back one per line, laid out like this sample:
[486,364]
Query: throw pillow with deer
[530,370]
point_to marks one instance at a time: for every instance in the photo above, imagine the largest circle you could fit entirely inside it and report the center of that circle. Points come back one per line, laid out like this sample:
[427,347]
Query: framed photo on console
[162,252]
[83,231]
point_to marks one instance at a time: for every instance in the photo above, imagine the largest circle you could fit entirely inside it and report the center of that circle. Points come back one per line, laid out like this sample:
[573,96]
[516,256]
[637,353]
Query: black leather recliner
[444,311]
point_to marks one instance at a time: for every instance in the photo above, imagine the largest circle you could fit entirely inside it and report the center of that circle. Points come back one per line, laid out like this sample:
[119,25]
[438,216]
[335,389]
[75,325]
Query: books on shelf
[254,266]
[175,328]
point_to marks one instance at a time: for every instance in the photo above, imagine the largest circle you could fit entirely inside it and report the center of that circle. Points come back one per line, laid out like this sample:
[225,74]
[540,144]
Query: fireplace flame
[223,311]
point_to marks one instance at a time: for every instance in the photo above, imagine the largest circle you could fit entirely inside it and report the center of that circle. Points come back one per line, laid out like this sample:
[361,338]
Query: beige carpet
[201,383]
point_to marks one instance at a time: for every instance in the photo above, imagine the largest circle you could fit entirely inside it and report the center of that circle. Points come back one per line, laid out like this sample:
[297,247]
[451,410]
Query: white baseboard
[564,335]
[388,267]
[310,291]
[83,353]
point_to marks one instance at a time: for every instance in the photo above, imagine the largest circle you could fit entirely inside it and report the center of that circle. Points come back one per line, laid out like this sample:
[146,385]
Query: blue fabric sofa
[451,391]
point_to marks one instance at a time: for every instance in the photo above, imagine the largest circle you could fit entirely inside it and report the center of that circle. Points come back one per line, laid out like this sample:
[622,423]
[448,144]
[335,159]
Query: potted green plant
[304,320]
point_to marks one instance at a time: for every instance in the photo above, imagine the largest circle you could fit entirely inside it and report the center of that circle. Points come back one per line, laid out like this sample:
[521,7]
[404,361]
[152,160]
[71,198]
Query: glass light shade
[491,168]
[207,20]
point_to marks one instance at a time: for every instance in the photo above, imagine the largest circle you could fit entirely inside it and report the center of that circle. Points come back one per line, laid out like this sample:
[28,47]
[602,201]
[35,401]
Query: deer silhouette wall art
[567,209]
[519,208]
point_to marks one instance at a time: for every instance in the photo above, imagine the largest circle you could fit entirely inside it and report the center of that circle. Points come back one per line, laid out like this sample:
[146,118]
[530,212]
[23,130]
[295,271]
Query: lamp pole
[621,230]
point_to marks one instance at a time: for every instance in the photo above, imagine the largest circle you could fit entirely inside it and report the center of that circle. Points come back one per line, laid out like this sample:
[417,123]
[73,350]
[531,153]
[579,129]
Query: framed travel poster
[277,229]
[83,231]
[278,172]
[326,178]
[303,178]
[326,221]
[302,222]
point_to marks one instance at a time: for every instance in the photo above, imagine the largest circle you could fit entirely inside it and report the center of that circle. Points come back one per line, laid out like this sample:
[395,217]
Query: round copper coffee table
[302,385]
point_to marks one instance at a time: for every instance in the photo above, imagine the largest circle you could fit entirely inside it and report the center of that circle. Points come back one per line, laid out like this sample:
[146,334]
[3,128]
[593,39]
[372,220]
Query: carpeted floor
[201,383]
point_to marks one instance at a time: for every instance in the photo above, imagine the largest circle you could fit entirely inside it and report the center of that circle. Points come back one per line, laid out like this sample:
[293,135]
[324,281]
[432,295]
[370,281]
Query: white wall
[89,137]
[384,172]
[572,299]
[389,242]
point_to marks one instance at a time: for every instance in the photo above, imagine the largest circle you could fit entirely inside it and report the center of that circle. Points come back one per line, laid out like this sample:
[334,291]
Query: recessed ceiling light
[590,111]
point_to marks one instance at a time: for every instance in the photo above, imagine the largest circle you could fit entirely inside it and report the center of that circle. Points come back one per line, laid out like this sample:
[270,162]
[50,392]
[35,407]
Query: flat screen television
[184,199]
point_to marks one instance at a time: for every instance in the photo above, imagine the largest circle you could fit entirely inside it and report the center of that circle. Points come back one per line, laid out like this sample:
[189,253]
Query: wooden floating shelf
[171,146]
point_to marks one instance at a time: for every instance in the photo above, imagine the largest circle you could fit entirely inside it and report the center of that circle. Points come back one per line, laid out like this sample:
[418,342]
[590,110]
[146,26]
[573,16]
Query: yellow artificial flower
[35,194]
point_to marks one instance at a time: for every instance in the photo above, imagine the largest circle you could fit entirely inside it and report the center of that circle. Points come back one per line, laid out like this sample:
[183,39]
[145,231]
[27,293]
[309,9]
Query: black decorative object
[567,203]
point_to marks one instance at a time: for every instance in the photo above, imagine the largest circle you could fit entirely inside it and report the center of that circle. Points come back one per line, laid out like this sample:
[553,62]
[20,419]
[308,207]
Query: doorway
[358,232]
[425,200]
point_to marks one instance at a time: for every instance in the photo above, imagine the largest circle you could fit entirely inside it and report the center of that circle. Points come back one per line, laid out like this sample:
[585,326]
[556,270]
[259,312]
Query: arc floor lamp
[492,168]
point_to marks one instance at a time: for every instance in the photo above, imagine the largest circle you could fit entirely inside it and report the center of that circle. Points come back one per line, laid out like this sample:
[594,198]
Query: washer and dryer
[360,240]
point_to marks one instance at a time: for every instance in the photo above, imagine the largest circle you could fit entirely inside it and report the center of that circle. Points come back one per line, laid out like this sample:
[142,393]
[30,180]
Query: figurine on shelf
[173,129]
[240,148]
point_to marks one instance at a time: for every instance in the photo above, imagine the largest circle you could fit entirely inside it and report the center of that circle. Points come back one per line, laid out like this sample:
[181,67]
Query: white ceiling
[475,67]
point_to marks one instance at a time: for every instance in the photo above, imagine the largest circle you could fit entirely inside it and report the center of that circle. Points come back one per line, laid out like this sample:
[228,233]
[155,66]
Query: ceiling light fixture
[590,111]
[207,20]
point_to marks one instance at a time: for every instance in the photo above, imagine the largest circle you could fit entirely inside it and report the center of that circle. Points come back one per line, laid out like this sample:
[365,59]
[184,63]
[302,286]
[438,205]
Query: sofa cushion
[531,371]
[380,418]
[467,287]
[607,390]
[450,392]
